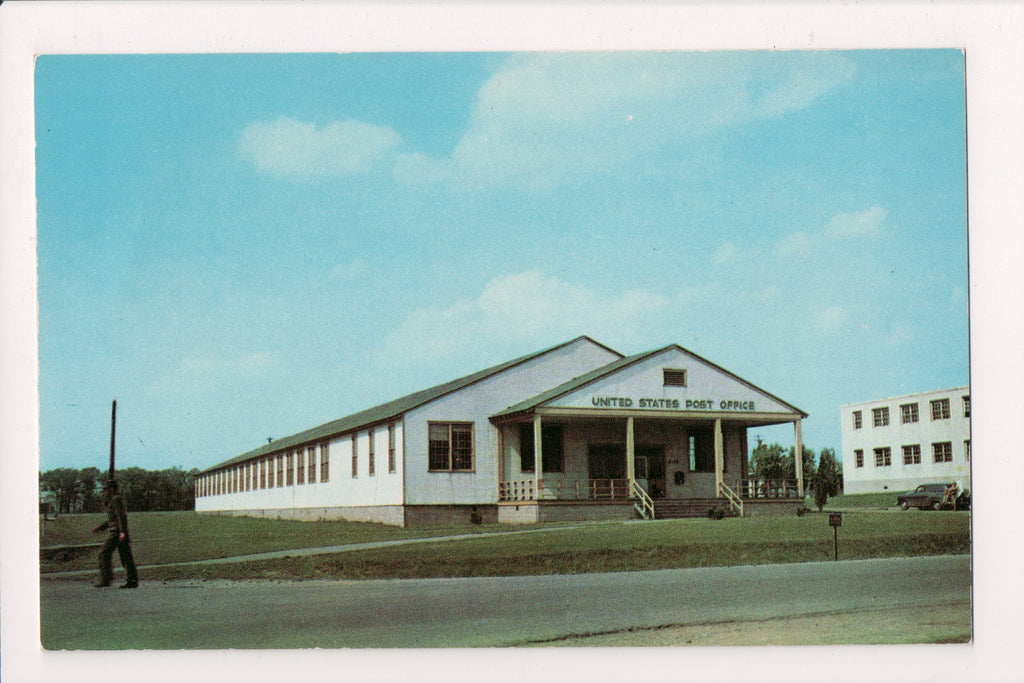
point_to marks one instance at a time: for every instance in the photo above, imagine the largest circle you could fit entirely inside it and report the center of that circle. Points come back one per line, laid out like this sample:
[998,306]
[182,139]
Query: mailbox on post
[835,520]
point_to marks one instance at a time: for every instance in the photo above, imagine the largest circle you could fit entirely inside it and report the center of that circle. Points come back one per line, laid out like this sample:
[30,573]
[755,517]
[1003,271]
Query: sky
[241,247]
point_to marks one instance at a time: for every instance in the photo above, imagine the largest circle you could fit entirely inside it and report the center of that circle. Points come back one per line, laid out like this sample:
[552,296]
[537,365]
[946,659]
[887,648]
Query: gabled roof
[605,370]
[392,409]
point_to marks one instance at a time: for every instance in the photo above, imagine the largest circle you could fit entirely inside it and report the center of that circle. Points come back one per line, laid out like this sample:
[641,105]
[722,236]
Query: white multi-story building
[605,430]
[894,444]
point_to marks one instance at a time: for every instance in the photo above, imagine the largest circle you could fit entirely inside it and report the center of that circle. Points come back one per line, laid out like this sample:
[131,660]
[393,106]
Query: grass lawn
[613,546]
[864,500]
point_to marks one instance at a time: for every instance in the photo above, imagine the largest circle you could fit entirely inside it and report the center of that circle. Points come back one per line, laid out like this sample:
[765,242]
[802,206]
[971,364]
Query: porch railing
[519,489]
[768,488]
[735,502]
[644,504]
[596,489]
[609,488]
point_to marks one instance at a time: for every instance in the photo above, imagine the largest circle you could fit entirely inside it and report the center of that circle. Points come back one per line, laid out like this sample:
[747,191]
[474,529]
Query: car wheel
[904,506]
[936,505]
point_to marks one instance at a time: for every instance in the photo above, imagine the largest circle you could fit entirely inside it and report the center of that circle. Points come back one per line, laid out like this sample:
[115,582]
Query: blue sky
[238,247]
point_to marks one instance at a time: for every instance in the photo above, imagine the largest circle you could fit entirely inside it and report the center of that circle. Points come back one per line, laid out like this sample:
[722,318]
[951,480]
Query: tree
[827,481]
[90,487]
[766,461]
[789,466]
[63,482]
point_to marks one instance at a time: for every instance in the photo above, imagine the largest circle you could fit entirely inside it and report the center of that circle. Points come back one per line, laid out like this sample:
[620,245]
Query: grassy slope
[585,548]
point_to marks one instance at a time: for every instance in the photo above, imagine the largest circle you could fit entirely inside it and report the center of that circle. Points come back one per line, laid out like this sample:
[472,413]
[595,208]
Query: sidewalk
[305,552]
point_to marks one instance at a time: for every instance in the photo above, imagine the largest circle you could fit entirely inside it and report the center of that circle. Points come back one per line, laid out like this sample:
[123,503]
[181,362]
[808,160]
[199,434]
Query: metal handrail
[735,501]
[644,503]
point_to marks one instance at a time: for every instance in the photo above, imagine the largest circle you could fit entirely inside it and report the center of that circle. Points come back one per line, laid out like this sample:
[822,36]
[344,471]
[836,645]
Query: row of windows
[941,452]
[292,468]
[273,471]
[909,413]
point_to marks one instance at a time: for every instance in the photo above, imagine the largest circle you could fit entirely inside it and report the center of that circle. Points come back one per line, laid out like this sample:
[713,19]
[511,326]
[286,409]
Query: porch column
[798,457]
[630,455]
[538,457]
[719,457]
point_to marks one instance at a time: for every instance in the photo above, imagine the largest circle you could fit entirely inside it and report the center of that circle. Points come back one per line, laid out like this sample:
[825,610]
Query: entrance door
[606,461]
[655,457]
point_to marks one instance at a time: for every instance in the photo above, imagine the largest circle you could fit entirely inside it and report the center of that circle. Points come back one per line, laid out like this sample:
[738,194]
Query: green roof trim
[572,385]
[392,409]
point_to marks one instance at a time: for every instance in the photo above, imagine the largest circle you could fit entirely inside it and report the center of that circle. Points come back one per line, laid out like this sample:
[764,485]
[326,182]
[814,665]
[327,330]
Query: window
[450,447]
[967,406]
[255,469]
[324,463]
[940,409]
[551,448]
[701,447]
[280,470]
[858,419]
[300,470]
[290,471]
[967,450]
[263,473]
[908,413]
[355,457]
[311,456]
[391,448]
[880,416]
[883,457]
[943,452]
[858,456]
[373,462]
[912,455]
[673,377]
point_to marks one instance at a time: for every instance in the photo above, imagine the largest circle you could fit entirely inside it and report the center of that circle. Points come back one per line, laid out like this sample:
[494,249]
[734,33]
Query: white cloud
[866,223]
[295,148]
[546,119]
[519,310]
[352,270]
[831,319]
[798,244]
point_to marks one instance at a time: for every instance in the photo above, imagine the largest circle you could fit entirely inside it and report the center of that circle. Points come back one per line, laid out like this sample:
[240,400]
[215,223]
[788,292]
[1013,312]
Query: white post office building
[895,444]
[573,432]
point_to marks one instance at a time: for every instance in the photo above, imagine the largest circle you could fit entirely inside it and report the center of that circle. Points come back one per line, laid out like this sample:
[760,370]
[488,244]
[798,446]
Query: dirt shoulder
[940,624]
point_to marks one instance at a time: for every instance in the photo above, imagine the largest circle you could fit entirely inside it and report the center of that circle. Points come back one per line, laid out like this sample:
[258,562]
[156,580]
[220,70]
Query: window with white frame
[883,457]
[880,416]
[942,451]
[355,457]
[450,447]
[908,413]
[372,457]
[940,409]
[967,450]
[300,470]
[391,448]
[858,419]
[311,459]
[858,457]
[967,406]
[325,463]
[912,454]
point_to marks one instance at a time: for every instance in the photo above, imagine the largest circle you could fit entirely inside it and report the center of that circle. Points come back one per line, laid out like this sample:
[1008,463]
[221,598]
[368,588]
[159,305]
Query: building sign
[671,403]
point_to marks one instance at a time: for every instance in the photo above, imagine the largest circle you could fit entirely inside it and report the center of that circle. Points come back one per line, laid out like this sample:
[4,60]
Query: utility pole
[113,429]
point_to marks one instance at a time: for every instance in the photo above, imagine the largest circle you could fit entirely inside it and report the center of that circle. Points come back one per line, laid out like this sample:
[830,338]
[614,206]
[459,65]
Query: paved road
[479,612]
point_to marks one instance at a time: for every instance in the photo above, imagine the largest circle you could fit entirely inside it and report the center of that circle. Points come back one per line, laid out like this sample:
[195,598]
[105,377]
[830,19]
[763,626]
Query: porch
[647,465]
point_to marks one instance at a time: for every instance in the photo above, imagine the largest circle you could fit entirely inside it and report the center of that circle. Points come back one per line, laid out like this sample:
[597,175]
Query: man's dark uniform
[117,537]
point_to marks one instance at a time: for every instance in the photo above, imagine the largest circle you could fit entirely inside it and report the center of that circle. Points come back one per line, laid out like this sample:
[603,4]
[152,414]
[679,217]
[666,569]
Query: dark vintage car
[932,497]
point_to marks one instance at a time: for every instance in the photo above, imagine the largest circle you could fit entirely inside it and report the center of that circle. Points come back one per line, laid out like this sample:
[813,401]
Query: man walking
[117,537]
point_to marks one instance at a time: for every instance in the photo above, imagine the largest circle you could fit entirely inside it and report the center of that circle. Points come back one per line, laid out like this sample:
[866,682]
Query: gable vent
[674,377]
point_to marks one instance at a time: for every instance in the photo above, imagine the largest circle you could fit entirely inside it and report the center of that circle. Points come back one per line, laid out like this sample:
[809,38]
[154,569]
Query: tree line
[823,478]
[142,490]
